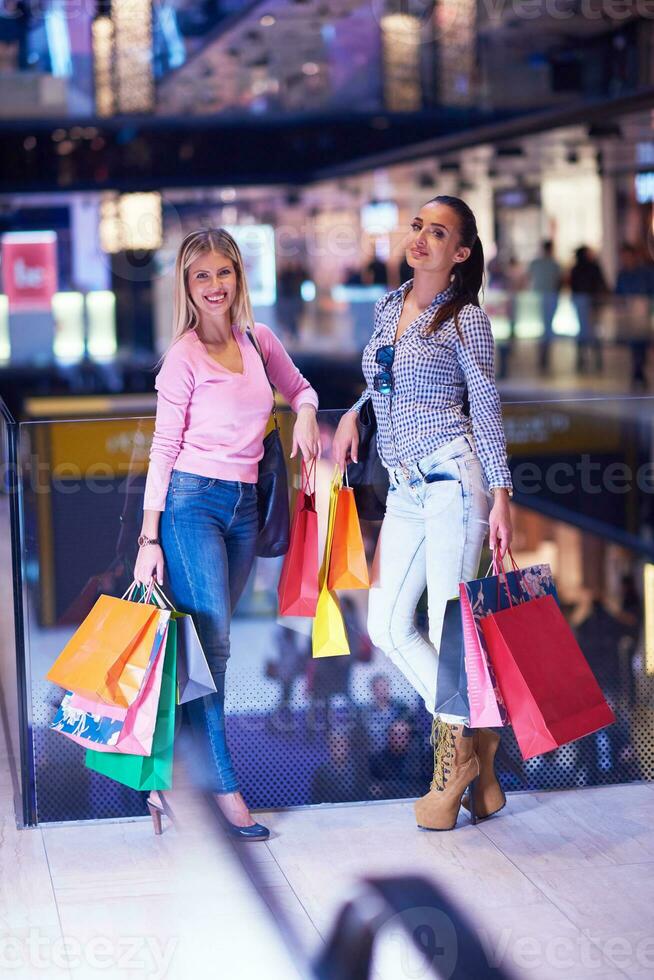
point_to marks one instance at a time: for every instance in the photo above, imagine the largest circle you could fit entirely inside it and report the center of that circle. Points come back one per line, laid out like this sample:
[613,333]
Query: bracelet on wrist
[144,539]
[509,490]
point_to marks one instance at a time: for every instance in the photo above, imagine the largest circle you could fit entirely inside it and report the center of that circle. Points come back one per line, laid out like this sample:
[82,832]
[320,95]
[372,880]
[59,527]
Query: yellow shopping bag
[107,656]
[329,638]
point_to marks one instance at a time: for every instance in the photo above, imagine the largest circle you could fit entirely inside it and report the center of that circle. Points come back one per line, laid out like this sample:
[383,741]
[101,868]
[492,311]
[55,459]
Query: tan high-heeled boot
[455,768]
[489,795]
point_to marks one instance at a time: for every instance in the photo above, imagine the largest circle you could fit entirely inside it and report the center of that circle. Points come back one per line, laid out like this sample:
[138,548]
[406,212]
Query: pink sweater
[211,421]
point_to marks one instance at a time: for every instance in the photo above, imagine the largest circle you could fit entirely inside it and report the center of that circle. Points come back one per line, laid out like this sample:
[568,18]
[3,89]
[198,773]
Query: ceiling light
[267,20]
[131,222]
[310,68]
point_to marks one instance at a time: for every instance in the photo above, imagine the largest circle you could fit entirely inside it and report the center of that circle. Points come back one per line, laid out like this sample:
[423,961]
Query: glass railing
[15,735]
[305,731]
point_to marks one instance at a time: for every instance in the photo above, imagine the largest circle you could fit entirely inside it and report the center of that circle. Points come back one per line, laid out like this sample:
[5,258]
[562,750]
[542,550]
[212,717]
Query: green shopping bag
[155,771]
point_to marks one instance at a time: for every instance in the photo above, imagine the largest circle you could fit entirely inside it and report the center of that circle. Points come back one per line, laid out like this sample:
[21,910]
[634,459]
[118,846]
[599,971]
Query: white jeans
[432,535]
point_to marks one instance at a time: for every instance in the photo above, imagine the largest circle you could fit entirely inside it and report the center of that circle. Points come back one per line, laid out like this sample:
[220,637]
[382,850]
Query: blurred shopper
[449,478]
[289,298]
[352,277]
[635,287]
[545,279]
[378,716]
[293,654]
[377,272]
[405,271]
[342,778]
[213,406]
[397,768]
[602,637]
[589,290]
[517,280]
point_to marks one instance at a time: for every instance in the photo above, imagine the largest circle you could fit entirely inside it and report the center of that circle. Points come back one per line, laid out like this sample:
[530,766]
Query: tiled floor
[561,884]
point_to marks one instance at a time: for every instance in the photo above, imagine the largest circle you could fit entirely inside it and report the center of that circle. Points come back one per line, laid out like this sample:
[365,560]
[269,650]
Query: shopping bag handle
[497,562]
[158,593]
[308,477]
[129,594]
[498,569]
[152,590]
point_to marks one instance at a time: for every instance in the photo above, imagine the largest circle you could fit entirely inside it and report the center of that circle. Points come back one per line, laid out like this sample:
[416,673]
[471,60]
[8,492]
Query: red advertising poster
[29,269]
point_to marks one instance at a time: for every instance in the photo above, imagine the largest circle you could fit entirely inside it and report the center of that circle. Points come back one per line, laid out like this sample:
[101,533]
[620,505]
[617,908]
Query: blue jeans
[208,535]
[432,536]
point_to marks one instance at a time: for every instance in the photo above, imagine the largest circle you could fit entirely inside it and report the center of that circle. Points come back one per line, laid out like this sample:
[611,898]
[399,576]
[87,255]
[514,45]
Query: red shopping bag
[348,568]
[298,584]
[550,691]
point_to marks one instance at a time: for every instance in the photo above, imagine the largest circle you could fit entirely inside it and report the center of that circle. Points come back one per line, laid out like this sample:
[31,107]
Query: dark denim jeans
[208,534]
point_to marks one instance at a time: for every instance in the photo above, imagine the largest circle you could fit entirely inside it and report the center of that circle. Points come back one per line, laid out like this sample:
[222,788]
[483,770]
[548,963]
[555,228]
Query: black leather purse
[368,477]
[272,486]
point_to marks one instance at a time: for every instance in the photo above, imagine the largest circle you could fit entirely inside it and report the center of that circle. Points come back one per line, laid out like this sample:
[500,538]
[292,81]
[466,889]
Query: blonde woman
[200,506]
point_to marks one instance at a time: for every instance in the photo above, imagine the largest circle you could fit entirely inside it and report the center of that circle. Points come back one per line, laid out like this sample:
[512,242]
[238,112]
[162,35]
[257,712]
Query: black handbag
[272,486]
[368,477]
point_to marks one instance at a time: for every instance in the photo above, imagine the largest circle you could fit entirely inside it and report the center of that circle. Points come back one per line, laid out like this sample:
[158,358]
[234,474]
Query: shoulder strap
[255,343]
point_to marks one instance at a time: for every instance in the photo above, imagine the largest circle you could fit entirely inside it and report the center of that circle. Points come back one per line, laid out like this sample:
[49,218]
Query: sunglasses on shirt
[383,380]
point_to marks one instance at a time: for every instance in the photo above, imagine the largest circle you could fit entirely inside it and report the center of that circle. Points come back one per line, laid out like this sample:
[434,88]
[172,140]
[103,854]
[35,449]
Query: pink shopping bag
[485,711]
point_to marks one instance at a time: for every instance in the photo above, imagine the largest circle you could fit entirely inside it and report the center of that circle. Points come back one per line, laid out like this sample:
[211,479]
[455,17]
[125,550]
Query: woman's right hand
[149,564]
[345,446]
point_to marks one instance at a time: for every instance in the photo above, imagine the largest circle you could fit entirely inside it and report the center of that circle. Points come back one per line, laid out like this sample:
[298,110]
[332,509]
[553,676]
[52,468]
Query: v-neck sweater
[211,421]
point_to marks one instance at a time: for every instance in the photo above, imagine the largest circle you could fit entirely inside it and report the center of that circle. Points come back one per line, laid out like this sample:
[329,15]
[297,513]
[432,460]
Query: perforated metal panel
[321,748]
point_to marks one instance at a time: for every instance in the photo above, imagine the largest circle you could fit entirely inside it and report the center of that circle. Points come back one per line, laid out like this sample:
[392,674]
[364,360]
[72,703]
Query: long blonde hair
[196,243]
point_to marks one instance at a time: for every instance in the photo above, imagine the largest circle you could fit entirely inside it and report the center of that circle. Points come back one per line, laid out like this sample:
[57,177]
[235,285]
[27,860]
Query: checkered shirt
[430,375]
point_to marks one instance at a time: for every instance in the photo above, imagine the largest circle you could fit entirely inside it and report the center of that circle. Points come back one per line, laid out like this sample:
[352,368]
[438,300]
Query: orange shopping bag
[347,562]
[108,655]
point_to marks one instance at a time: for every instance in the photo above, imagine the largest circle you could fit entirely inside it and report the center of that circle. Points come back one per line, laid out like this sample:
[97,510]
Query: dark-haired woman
[449,478]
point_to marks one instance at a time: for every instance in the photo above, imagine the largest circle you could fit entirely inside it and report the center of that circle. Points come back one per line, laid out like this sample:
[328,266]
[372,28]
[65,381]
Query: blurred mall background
[314,130]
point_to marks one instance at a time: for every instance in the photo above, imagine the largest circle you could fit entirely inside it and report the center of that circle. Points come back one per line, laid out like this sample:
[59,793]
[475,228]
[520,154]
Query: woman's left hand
[501,529]
[306,434]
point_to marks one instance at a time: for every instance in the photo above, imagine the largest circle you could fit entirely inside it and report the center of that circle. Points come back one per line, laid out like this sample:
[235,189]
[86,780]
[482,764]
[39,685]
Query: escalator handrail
[421,910]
